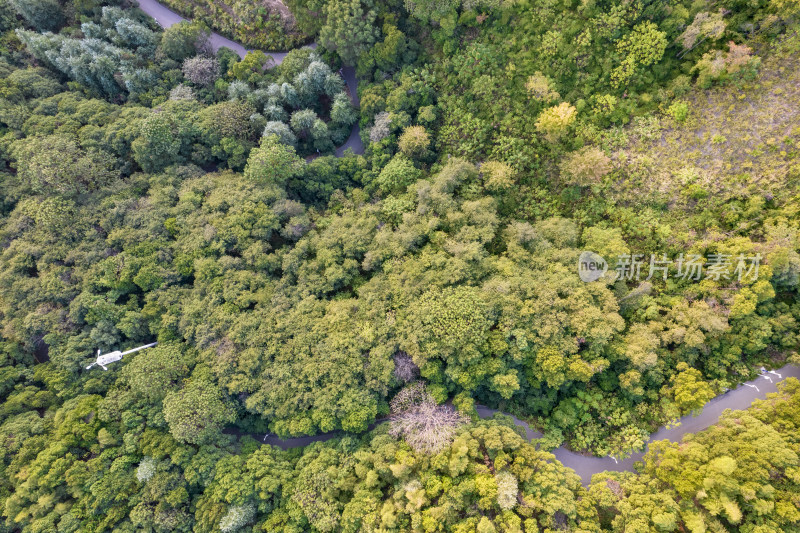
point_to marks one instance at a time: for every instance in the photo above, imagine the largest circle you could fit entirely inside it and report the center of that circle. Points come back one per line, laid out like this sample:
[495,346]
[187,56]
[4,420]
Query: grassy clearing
[739,140]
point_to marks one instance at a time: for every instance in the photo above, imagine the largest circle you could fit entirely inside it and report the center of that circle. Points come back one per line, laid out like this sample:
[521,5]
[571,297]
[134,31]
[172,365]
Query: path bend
[586,466]
[165,17]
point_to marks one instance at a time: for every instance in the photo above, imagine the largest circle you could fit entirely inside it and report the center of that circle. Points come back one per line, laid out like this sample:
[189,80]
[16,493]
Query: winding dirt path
[586,466]
[166,18]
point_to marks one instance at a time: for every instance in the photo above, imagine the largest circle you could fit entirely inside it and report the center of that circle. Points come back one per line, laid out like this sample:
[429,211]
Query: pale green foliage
[333,84]
[342,111]
[381,127]
[414,141]
[554,121]
[641,346]
[238,90]
[92,62]
[280,130]
[498,176]
[201,70]
[717,64]
[131,34]
[236,518]
[302,121]
[507,488]
[273,162]
[540,88]
[586,166]
[181,92]
[146,469]
[607,242]
[704,26]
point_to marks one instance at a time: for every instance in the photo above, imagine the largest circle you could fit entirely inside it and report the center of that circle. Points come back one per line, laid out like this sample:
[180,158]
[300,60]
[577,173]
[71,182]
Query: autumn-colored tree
[554,121]
[586,166]
[414,141]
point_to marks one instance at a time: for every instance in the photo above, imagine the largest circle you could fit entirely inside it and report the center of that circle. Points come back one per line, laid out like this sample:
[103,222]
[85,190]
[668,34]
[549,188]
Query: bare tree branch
[425,426]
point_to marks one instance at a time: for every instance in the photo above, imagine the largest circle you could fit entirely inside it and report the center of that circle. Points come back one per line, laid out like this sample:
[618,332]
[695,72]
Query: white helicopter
[116,355]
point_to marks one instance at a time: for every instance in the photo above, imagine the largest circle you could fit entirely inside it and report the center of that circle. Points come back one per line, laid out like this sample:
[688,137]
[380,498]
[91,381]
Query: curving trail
[353,142]
[166,18]
[736,399]
[586,466]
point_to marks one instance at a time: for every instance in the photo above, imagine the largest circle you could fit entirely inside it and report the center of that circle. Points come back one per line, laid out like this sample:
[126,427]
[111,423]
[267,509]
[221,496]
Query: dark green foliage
[184,40]
[256,25]
[44,15]
[349,29]
[150,192]
[306,107]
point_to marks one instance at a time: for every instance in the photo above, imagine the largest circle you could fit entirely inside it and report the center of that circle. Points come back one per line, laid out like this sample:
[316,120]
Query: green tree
[162,140]
[349,29]
[641,48]
[57,163]
[586,166]
[184,40]
[250,68]
[93,62]
[273,162]
[431,10]
[200,70]
[197,412]
[303,121]
[157,371]
[398,174]
[44,15]
[414,141]
[554,121]
[721,478]
[689,390]
[342,111]
[497,176]
[280,130]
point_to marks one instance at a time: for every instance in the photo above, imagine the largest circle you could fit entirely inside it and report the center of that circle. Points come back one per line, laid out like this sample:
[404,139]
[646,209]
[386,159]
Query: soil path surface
[586,466]
[166,18]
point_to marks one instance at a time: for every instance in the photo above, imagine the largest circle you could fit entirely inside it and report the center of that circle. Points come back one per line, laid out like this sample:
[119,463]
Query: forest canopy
[157,188]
